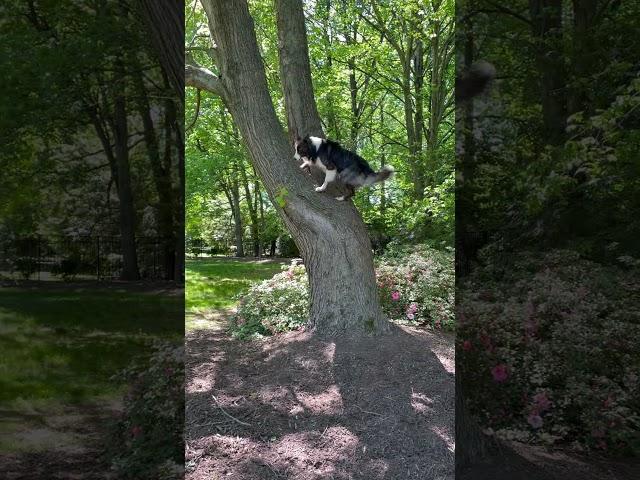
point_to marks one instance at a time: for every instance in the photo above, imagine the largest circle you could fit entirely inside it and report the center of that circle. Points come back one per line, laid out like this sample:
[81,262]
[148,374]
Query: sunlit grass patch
[213,283]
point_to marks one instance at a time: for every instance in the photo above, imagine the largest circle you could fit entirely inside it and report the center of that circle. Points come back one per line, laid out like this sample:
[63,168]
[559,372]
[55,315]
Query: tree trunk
[237,217]
[125,194]
[165,21]
[161,175]
[546,23]
[331,236]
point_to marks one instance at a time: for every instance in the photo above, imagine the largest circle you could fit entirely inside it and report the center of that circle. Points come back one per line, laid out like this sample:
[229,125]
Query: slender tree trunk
[331,236]
[253,212]
[546,22]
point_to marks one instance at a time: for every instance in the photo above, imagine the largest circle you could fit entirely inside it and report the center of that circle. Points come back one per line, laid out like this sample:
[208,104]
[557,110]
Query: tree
[331,236]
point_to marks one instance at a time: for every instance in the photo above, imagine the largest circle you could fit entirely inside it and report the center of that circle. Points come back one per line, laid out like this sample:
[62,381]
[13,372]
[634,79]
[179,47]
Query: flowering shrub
[416,285]
[276,305]
[147,442]
[550,351]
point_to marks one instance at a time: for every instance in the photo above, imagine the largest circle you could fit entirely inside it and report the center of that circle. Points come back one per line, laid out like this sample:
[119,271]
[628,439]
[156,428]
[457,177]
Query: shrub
[147,442]
[416,285]
[27,266]
[275,305]
[549,351]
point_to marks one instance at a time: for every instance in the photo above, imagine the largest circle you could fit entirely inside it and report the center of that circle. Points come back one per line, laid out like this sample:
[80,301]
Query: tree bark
[165,21]
[125,194]
[161,175]
[331,236]
[546,23]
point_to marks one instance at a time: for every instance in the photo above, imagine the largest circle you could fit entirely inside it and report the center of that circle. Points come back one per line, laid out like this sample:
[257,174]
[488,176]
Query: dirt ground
[527,462]
[304,408]
[65,445]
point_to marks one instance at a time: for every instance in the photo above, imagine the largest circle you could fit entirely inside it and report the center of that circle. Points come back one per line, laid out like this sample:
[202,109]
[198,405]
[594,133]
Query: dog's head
[303,148]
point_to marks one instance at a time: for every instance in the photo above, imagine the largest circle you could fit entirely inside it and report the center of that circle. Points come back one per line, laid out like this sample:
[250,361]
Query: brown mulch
[295,406]
[64,445]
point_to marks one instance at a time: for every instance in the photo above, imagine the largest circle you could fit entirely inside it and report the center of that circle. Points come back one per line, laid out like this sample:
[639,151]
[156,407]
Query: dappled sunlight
[328,402]
[421,403]
[446,437]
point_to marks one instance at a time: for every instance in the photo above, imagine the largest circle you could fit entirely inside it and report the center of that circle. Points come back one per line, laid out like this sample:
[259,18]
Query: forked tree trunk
[331,236]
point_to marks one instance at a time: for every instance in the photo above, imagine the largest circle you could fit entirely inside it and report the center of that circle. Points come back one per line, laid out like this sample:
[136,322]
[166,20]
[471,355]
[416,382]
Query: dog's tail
[384,174]
[474,81]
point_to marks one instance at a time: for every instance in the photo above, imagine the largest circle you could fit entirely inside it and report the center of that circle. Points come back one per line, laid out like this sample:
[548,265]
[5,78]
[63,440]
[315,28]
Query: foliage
[548,350]
[365,90]
[148,442]
[276,305]
[416,286]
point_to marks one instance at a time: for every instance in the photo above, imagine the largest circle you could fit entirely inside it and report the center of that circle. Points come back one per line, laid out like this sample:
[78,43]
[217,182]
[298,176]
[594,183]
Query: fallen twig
[367,411]
[228,414]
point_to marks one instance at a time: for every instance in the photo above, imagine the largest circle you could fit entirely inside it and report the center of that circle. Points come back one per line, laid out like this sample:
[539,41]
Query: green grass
[64,345]
[213,283]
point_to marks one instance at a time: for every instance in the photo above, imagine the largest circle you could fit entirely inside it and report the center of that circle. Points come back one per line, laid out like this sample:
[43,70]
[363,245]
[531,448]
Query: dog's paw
[340,199]
[319,189]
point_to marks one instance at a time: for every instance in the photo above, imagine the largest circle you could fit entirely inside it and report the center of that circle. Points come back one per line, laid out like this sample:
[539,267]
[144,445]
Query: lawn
[62,345]
[213,283]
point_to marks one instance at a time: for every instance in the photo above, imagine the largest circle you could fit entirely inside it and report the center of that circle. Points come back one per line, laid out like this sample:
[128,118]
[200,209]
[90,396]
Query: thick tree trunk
[471,444]
[300,104]
[125,194]
[161,175]
[331,236]
[165,22]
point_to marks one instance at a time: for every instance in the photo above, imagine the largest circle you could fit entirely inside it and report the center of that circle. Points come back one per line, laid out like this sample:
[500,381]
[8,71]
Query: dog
[337,162]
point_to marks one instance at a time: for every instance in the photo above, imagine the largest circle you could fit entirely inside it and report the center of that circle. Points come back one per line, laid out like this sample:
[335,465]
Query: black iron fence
[81,258]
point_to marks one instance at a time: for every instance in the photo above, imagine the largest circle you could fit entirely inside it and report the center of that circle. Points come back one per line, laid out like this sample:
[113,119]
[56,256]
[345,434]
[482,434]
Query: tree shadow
[301,406]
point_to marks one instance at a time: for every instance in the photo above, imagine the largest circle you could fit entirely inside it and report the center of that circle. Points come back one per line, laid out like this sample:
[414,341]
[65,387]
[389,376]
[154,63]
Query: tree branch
[203,79]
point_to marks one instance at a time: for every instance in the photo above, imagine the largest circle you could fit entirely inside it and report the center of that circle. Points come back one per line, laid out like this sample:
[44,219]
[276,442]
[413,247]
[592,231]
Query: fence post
[38,256]
[98,254]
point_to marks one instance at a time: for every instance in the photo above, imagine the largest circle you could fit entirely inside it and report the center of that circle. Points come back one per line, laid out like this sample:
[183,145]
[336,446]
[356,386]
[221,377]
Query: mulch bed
[295,406]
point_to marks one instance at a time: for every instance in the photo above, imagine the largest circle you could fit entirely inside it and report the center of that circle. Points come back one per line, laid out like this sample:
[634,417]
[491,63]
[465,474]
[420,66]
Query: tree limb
[203,79]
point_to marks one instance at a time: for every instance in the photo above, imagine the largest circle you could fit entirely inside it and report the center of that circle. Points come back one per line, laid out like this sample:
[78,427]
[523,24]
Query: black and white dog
[337,162]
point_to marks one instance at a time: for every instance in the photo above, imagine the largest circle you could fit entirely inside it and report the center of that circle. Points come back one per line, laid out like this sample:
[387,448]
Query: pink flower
[412,308]
[467,345]
[541,402]
[395,296]
[410,316]
[535,420]
[500,373]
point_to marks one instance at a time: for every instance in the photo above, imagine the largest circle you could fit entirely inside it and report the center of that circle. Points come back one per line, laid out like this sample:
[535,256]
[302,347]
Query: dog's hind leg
[329,177]
[351,192]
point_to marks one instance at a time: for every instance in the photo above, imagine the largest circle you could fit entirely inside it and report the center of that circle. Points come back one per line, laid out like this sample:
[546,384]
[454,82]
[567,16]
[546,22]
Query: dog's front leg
[329,177]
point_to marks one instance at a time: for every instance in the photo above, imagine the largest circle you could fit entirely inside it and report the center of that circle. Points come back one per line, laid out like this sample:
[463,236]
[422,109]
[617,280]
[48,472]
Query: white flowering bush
[549,352]
[416,286]
[276,305]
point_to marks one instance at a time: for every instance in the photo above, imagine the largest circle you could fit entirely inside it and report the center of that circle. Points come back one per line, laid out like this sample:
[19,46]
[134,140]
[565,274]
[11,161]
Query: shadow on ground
[527,462]
[296,406]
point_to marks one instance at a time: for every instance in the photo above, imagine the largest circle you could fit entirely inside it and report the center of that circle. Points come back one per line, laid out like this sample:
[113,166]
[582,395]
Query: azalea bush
[416,286]
[147,442]
[276,305]
[548,350]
